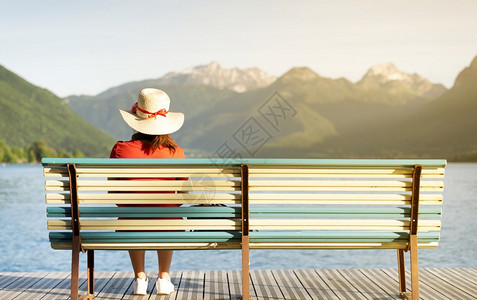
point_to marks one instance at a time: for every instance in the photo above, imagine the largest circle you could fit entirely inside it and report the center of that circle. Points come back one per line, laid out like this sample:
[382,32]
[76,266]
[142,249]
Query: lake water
[24,242]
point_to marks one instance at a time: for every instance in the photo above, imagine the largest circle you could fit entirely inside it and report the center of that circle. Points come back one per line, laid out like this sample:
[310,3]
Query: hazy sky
[85,47]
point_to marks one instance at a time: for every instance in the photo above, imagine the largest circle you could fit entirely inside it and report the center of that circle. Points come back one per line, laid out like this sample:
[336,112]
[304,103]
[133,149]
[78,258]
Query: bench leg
[402,273]
[245,268]
[414,267]
[74,272]
[91,272]
[414,295]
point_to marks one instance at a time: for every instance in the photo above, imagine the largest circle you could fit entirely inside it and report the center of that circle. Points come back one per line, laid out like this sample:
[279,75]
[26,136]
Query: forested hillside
[34,118]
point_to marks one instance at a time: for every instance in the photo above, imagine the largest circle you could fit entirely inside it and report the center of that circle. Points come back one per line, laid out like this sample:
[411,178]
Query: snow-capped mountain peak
[239,80]
[389,72]
[390,77]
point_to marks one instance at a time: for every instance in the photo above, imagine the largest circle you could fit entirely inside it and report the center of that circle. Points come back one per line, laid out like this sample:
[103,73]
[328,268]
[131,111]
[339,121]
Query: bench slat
[145,212]
[148,237]
[392,245]
[339,183]
[146,198]
[150,246]
[398,189]
[343,224]
[250,161]
[337,198]
[344,173]
[148,224]
[143,185]
[338,235]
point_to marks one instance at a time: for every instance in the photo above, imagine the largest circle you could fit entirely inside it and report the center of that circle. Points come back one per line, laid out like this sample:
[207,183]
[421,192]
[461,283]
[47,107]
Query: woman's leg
[137,260]
[164,259]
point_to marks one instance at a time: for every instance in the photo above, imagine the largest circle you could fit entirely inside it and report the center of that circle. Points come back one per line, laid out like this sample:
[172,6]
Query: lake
[24,242]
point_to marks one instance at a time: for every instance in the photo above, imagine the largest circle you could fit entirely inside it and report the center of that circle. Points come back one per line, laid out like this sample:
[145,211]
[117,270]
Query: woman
[150,116]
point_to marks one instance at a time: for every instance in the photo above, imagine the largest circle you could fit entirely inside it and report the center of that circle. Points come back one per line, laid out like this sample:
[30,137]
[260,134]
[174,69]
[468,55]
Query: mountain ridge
[333,111]
[386,114]
[31,114]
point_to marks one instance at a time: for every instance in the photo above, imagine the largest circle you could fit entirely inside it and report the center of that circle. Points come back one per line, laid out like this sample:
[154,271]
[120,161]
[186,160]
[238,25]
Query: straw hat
[150,114]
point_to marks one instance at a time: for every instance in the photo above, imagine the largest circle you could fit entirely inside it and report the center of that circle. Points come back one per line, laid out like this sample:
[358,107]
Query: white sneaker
[140,286]
[164,286]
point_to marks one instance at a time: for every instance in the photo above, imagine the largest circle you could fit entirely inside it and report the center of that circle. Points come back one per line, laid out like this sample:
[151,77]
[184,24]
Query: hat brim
[158,125]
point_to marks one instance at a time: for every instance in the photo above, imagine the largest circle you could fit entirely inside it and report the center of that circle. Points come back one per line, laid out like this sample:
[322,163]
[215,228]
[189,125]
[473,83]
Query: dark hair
[152,142]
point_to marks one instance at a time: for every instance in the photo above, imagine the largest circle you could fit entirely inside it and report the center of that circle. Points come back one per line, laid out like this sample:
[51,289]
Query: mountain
[388,76]
[235,79]
[30,114]
[446,126]
[211,75]
[331,115]
[302,114]
[192,90]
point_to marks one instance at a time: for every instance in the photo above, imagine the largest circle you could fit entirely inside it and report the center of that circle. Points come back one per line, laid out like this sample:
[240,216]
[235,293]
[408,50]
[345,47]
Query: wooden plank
[468,274]
[280,183]
[147,173]
[342,198]
[315,286]
[151,246]
[148,224]
[205,197]
[314,188]
[143,185]
[343,245]
[364,285]
[342,176]
[426,289]
[439,284]
[235,285]
[152,212]
[154,171]
[43,286]
[251,161]
[117,287]
[290,285]
[192,285]
[62,290]
[463,283]
[385,283]
[19,285]
[87,185]
[340,224]
[9,278]
[272,170]
[265,285]
[101,281]
[216,286]
[340,285]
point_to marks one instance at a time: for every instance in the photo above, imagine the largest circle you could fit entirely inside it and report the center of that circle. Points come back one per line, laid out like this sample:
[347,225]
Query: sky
[86,47]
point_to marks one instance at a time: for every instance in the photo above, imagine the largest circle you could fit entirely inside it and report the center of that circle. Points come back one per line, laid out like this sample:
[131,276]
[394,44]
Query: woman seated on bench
[151,118]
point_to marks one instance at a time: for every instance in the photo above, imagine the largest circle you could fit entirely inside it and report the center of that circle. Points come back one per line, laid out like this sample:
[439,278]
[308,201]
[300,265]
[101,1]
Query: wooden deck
[443,283]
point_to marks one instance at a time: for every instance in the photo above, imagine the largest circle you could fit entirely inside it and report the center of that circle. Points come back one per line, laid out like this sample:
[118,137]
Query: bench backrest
[105,184]
[344,204]
[285,203]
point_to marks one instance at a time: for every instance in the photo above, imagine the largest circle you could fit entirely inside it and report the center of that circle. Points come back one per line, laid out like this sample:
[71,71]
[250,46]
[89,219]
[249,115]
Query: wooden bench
[269,204]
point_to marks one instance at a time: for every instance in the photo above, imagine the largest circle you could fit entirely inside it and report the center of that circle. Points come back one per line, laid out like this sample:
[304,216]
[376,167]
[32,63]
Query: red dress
[135,149]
